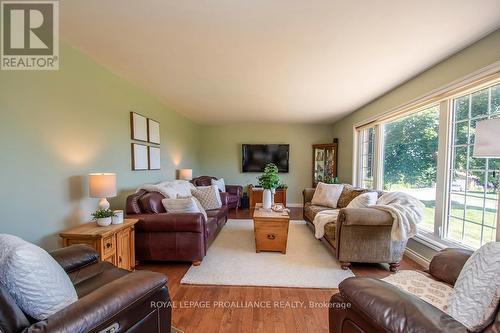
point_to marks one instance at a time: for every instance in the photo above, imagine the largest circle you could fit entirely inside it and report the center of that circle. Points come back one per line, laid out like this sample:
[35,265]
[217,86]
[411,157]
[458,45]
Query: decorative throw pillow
[183,205]
[364,200]
[33,278]
[208,196]
[220,184]
[348,194]
[477,290]
[327,195]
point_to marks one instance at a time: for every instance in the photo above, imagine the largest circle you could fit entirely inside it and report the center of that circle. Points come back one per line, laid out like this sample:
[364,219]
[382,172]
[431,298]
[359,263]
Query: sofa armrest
[223,198]
[75,257]
[364,216]
[393,310]
[307,194]
[170,222]
[448,263]
[235,189]
[98,307]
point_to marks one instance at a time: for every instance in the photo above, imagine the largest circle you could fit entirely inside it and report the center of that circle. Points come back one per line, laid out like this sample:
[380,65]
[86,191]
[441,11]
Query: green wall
[220,151]
[477,56]
[58,126]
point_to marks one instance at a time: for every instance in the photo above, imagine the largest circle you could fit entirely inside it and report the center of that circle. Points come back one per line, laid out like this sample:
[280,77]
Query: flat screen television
[256,157]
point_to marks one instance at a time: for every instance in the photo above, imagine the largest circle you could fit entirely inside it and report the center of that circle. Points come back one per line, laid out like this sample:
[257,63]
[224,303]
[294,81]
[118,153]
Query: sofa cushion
[209,196]
[183,205]
[364,200]
[39,285]
[476,294]
[219,183]
[348,194]
[151,203]
[327,194]
[311,210]
[94,276]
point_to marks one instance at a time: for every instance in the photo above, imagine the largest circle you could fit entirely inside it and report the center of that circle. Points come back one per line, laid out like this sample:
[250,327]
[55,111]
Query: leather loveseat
[108,297]
[366,305]
[163,236]
[234,192]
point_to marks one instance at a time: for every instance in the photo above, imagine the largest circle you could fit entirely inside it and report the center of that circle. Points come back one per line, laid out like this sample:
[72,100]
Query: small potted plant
[269,180]
[103,217]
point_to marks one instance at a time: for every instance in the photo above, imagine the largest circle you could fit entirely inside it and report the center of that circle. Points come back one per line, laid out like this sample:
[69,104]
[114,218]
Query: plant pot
[104,222]
[267,199]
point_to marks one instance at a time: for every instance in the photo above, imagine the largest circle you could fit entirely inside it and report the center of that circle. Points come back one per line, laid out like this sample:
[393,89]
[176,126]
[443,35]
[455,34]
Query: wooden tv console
[255,195]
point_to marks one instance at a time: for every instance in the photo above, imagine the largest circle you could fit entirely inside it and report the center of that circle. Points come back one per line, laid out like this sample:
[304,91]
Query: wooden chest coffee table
[271,230]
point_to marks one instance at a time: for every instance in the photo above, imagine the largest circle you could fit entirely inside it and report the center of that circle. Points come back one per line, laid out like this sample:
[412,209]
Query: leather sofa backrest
[12,318]
[203,181]
[150,203]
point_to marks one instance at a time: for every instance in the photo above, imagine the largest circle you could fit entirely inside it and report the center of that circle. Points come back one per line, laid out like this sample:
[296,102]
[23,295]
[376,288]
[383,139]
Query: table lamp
[102,186]
[487,145]
[185,174]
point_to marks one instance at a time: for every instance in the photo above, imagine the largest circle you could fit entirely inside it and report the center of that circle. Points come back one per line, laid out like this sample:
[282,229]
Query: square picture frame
[153,131]
[154,158]
[140,157]
[138,127]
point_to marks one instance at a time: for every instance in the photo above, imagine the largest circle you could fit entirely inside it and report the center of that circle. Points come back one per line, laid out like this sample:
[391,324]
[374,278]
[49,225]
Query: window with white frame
[473,188]
[366,155]
[460,192]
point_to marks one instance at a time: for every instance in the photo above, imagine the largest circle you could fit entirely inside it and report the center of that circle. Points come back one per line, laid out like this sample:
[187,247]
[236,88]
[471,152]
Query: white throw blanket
[323,218]
[406,210]
[170,189]
[154,188]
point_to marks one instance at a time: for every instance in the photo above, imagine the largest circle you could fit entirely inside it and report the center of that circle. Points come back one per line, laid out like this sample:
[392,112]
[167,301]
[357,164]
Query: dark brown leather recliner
[234,192]
[163,236]
[371,306]
[108,297]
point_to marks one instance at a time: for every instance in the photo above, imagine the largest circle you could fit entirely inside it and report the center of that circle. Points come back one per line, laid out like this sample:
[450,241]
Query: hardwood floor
[253,309]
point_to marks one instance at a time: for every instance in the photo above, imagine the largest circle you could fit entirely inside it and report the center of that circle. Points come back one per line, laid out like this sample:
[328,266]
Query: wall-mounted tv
[255,157]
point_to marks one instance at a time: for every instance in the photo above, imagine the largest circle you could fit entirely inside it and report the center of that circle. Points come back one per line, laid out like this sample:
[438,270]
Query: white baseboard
[298,205]
[419,259]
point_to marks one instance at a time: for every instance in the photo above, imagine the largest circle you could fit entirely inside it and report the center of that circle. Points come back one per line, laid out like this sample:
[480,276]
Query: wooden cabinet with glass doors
[324,163]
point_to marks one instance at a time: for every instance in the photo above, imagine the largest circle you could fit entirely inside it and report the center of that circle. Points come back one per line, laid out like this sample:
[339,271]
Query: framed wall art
[154,158]
[153,131]
[138,127]
[140,158]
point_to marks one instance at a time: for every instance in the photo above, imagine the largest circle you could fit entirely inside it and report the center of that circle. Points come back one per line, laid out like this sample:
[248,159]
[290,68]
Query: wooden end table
[271,230]
[115,243]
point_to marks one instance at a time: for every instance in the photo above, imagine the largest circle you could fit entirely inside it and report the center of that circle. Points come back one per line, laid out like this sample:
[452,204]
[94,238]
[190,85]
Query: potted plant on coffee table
[269,180]
[103,217]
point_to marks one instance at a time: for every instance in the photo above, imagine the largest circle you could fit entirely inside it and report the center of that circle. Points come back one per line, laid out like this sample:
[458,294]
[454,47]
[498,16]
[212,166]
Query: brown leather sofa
[107,296]
[361,235]
[371,306]
[234,192]
[162,236]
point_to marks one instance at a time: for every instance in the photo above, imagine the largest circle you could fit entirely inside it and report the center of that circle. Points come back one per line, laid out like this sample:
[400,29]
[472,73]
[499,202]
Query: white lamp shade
[186,174]
[487,141]
[102,185]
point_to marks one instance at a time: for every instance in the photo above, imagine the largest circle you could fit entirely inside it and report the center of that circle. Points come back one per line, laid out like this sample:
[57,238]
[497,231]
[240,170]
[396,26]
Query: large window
[473,188]
[428,153]
[410,158]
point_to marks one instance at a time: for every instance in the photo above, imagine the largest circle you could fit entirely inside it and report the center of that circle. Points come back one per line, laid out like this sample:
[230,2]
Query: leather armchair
[234,192]
[370,305]
[107,296]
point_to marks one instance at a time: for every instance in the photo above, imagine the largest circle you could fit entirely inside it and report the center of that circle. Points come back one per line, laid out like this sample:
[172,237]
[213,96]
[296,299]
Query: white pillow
[183,205]
[38,284]
[220,184]
[477,291]
[327,194]
[209,196]
[364,200]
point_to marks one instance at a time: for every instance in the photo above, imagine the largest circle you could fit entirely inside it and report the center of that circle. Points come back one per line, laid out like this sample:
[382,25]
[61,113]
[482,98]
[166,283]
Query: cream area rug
[231,260]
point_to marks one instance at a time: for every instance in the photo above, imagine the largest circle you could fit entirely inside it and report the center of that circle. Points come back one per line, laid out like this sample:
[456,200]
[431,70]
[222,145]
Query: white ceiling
[272,60]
